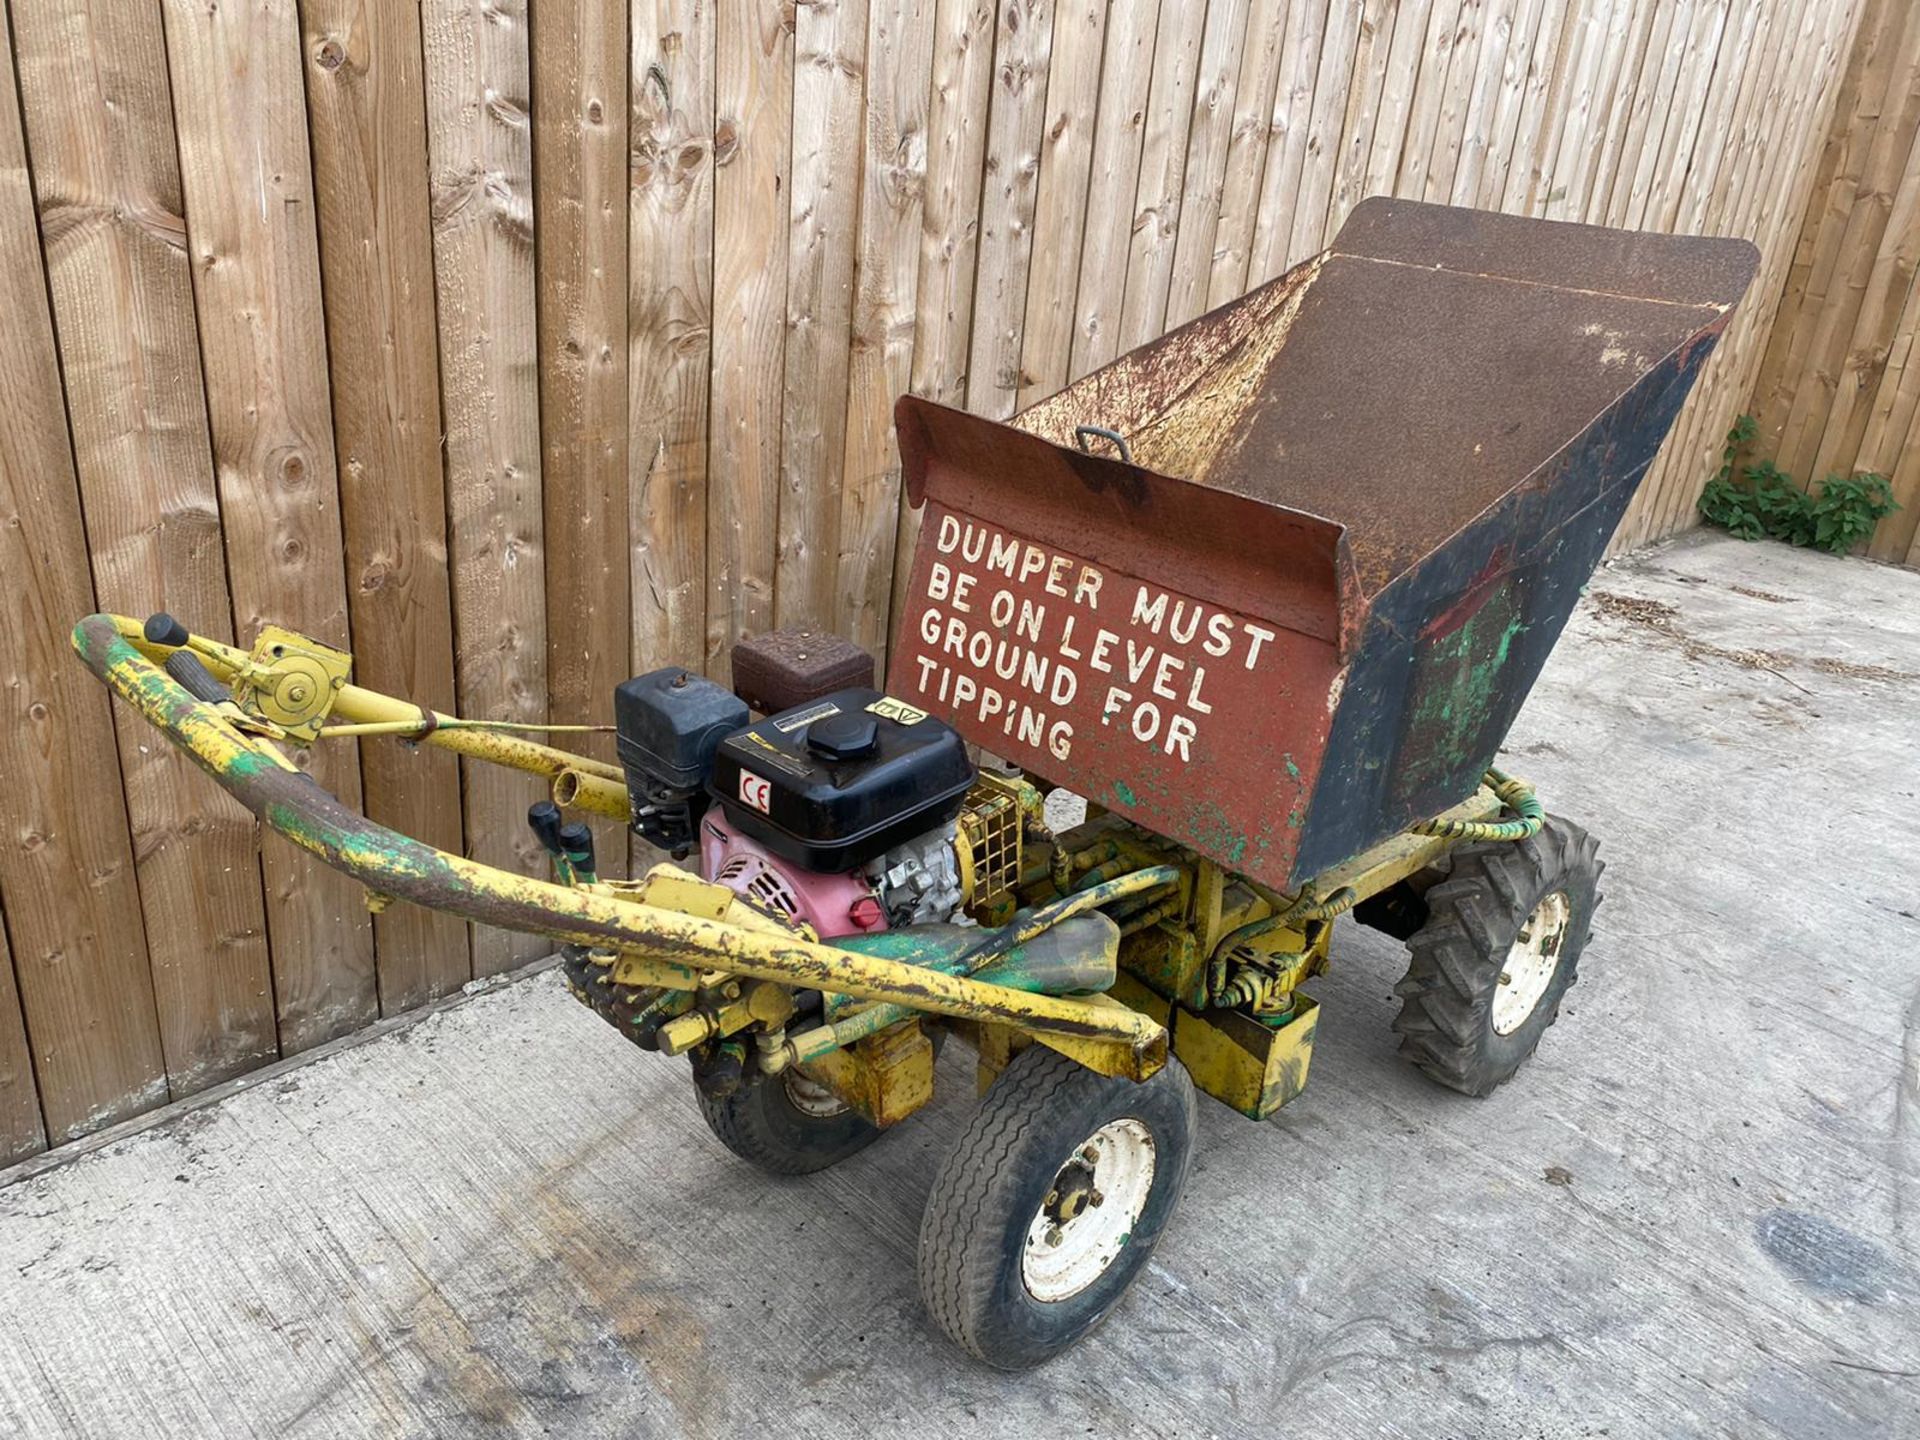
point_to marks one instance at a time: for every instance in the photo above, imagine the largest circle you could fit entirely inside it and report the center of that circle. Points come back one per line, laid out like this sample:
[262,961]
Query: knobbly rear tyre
[1005,1177]
[1464,1020]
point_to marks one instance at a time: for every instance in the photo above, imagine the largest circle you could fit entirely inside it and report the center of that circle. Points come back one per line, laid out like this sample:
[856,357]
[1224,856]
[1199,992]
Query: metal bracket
[291,681]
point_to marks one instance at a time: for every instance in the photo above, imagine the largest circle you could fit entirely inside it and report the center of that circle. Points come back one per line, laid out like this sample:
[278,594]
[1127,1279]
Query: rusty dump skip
[1361,503]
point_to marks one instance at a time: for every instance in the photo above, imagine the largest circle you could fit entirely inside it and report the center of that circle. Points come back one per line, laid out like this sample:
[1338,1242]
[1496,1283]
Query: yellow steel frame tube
[399,866]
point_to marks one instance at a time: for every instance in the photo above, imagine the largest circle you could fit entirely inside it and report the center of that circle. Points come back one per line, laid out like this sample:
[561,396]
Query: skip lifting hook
[1084,433]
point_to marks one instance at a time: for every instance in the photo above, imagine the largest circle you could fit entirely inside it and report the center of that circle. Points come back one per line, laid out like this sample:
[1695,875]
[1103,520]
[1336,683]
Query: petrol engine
[848,811]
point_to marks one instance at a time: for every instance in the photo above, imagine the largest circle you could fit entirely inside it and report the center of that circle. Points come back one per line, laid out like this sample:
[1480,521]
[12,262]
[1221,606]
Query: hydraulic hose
[1304,909]
[1516,795]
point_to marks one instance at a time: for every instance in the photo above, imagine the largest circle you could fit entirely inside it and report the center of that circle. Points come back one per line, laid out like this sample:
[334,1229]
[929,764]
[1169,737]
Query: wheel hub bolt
[1096,1199]
[1055,1235]
[1091,1154]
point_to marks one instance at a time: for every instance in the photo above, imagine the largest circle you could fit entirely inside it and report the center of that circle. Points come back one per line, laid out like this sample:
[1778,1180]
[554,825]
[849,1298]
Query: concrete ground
[1696,1213]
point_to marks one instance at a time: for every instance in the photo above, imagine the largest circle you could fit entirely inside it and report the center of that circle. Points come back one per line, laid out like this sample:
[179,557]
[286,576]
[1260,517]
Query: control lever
[570,844]
[183,665]
[191,674]
[543,818]
[194,678]
[577,841]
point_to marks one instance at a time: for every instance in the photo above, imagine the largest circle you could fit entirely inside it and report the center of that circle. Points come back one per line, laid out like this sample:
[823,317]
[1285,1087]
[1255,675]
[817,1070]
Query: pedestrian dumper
[1214,646]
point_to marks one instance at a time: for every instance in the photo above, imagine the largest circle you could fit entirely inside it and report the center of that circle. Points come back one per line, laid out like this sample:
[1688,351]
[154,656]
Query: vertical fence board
[1163,168]
[753,110]
[1902,466]
[1287,143]
[1491,75]
[1324,123]
[1783,192]
[1404,54]
[1565,123]
[1629,81]
[962,76]
[1693,446]
[1023,47]
[829,64]
[880,367]
[1823,226]
[1526,170]
[1776,191]
[366,100]
[251,232]
[1209,140]
[1509,103]
[21,1131]
[1693,95]
[99,120]
[1877,294]
[1652,113]
[1422,128]
[1732,73]
[1864,201]
[482,163]
[1366,95]
[1748,197]
[1060,211]
[1837,365]
[1463,57]
[957,103]
[669,339]
[66,862]
[1674,480]
[1126,76]
[1247,149]
[580,116]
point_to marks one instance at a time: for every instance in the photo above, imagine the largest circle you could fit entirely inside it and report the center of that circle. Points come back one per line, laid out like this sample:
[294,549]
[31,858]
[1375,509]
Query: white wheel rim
[1090,1210]
[811,1098]
[1531,961]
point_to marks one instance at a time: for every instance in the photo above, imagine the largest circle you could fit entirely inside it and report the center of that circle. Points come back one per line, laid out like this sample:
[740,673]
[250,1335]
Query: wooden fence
[1839,391]
[522,352]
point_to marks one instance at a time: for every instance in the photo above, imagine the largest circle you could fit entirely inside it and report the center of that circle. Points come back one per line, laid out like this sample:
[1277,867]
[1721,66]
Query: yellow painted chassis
[731,968]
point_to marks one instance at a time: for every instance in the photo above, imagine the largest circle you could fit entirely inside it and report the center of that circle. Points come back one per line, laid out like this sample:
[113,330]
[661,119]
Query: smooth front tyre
[1500,946]
[1050,1203]
[787,1124]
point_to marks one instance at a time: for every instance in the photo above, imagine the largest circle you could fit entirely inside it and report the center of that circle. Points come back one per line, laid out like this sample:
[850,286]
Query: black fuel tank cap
[850,735]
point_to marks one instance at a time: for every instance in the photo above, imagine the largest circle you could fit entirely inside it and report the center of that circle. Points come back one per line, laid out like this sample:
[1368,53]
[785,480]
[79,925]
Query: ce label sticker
[756,791]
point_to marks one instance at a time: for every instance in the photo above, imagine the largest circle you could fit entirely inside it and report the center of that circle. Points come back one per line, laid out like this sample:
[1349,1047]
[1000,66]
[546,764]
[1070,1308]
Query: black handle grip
[543,818]
[162,629]
[577,840]
[185,667]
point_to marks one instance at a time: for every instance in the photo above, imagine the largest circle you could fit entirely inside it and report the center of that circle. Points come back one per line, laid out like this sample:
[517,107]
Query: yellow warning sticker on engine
[898,711]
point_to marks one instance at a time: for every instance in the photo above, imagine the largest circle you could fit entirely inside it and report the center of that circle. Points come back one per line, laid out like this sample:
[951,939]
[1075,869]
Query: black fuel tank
[835,783]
